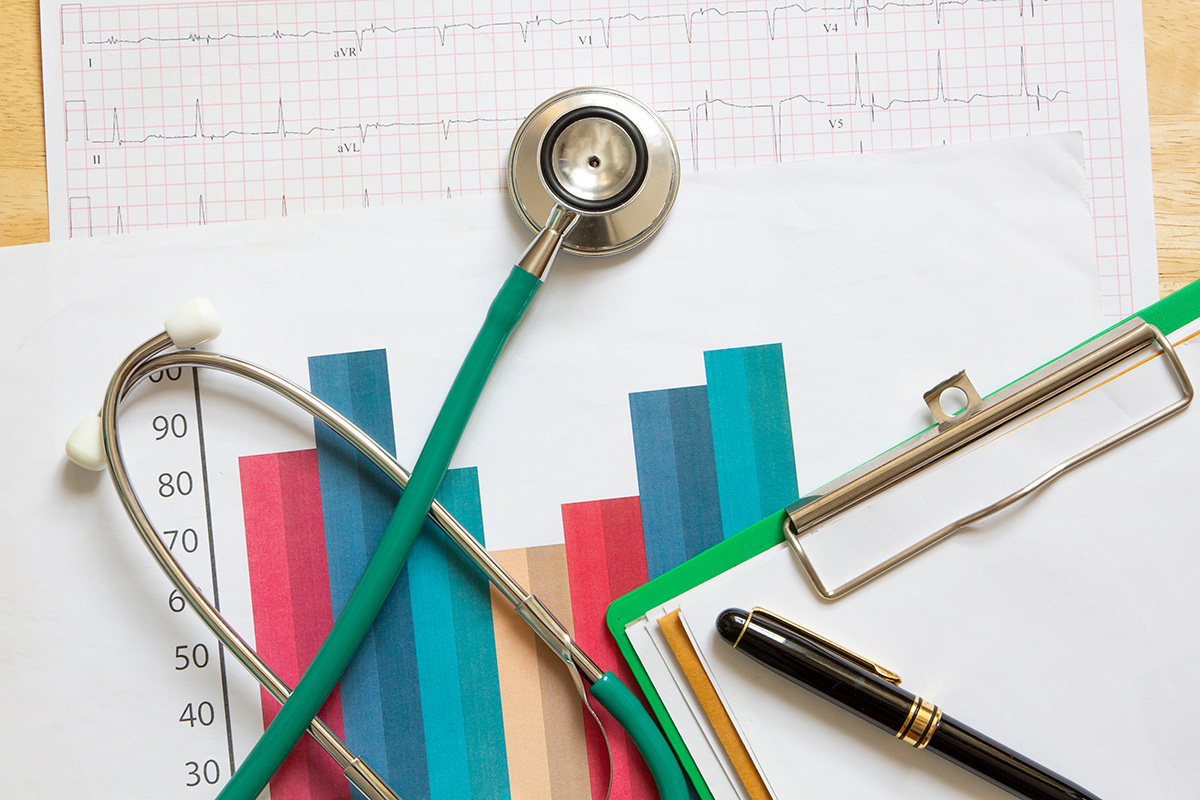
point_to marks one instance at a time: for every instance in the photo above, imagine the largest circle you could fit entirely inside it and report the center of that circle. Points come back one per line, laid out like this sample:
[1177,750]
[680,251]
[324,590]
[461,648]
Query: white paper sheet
[188,113]
[880,274]
[693,725]
[1033,627]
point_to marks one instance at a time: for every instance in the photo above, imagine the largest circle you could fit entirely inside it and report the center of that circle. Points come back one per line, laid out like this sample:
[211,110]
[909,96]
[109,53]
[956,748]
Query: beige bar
[543,718]
[520,698]
[564,715]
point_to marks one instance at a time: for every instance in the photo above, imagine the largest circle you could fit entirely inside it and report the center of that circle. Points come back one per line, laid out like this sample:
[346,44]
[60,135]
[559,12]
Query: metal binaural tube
[548,628]
[137,366]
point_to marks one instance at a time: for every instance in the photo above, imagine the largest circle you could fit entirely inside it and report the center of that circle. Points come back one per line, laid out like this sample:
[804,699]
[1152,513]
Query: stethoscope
[601,169]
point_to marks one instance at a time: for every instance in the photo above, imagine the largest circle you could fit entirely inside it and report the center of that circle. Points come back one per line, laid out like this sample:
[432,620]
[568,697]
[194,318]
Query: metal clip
[980,418]
[933,399]
[804,633]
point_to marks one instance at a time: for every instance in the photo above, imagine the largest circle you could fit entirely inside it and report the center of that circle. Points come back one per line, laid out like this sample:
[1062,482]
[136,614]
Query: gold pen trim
[912,712]
[933,726]
[851,656]
[923,719]
[745,625]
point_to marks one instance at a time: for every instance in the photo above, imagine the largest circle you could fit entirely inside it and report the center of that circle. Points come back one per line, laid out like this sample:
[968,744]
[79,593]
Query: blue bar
[677,477]
[380,697]
[752,433]
[456,655]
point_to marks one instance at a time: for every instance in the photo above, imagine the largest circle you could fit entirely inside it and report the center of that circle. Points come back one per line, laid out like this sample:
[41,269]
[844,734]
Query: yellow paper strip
[685,654]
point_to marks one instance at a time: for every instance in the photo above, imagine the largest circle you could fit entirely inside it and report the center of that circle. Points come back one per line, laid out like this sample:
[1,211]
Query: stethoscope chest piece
[600,154]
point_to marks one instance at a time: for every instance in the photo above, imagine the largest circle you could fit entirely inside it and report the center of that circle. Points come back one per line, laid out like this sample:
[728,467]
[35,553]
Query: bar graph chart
[451,696]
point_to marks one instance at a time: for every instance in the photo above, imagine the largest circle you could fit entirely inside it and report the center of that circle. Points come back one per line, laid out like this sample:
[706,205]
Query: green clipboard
[1167,315]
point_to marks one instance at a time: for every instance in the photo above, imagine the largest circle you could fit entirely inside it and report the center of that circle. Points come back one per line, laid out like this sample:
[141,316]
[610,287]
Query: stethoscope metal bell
[600,158]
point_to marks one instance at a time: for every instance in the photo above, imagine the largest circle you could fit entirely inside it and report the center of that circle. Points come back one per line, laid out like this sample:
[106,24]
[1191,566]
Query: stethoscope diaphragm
[602,155]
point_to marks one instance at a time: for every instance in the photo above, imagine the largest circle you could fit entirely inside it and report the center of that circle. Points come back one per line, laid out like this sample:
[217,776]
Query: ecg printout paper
[184,113]
[94,633]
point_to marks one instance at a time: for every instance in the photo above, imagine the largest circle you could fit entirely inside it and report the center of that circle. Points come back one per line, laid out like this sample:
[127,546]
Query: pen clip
[818,639]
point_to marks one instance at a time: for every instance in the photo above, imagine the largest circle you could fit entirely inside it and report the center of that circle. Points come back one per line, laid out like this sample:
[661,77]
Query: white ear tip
[85,445]
[193,323]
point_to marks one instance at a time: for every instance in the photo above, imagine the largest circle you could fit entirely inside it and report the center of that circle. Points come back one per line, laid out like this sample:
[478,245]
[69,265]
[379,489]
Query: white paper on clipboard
[1054,627]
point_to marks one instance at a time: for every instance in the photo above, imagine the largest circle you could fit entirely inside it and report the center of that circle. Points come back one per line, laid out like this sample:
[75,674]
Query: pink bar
[606,558]
[289,591]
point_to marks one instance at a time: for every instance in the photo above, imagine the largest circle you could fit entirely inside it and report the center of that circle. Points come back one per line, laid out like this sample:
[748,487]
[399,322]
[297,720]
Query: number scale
[194,732]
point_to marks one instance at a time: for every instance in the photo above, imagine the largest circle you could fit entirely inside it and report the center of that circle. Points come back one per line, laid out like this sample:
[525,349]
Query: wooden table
[1173,73]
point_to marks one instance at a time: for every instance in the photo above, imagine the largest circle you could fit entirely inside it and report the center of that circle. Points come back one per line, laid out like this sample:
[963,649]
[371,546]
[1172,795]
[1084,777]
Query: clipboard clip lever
[979,418]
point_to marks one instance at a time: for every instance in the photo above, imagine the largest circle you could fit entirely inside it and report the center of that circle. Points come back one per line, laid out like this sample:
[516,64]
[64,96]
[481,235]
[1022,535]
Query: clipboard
[1166,316]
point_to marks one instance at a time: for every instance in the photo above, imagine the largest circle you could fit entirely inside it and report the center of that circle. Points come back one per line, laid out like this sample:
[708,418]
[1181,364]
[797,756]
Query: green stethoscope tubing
[629,711]
[381,572]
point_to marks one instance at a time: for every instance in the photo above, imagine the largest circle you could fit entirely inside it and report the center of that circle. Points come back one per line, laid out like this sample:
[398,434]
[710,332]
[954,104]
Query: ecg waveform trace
[191,113]
[860,13]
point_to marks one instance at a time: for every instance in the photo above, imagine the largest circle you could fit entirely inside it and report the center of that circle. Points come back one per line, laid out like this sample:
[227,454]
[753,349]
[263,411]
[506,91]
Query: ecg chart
[166,113]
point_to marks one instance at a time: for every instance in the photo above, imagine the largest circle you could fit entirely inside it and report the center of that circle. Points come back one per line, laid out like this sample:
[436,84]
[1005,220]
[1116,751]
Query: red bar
[289,592]
[606,558]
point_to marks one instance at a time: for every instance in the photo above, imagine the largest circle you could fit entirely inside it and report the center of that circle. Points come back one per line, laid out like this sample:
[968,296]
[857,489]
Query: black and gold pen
[868,691]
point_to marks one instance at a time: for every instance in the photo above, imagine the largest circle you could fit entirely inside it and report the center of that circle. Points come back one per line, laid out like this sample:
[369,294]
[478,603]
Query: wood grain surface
[1172,30]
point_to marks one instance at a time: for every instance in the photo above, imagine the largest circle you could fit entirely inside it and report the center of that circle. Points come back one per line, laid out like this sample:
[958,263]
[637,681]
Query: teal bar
[475,640]
[752,433]
[456,655]
[774,446]
[733,439]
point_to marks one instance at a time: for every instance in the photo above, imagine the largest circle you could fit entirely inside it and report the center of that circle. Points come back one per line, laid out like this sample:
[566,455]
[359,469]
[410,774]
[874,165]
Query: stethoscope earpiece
[85,445]
[192,324]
